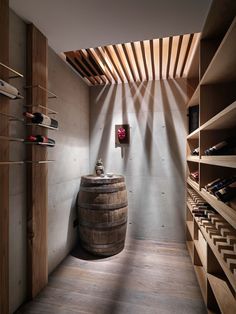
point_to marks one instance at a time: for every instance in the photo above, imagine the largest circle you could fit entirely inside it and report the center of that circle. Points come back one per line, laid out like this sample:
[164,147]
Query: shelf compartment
[190,226]
[193,184]
[223,161]
[201,247]
[223,295]
[17,74]
[49,111]
[228,213]
[51,94]
[42,125]
[225,119]
[217,70]
[219,258]
[190,247]
[202,280]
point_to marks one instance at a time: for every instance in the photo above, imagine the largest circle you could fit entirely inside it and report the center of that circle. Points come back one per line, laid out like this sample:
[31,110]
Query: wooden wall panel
[37,181]
[4,169]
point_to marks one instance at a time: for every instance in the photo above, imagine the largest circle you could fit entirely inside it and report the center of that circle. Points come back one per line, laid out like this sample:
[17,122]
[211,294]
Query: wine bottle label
[46,120]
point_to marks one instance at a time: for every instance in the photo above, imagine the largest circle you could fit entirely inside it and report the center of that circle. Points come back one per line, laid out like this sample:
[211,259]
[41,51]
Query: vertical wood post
[4,169]
[37,174]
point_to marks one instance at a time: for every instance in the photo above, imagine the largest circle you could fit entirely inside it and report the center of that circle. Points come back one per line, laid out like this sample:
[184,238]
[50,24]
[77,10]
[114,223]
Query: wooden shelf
[223,64]
[223,209]
[190,226]
[223,295]
[193,158]
[11,139]
[2,163]
[39,143]
[42,125]
[17,74]
[50,94]
[193,135]
[194,100]
[190,247]
[193,184]
[11,117]
[201,247]
[223,120]
[224,161]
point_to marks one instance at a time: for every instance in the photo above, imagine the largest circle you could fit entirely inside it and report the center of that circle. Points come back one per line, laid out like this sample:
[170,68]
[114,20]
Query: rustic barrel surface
[102,205]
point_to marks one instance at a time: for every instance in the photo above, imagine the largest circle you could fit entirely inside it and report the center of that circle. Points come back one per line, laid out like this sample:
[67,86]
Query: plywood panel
[37,173]
[4,169]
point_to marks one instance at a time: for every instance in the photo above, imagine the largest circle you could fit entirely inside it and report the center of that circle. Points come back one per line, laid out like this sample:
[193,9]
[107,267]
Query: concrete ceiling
[77,24]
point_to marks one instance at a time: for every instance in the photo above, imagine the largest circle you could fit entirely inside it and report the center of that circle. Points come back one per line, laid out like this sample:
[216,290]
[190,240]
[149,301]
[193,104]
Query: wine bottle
[226,147]
[38,117]
[41,139]
[211,184]
[194,176]
[8,90]
[227,193]
[195,152]
[223,183]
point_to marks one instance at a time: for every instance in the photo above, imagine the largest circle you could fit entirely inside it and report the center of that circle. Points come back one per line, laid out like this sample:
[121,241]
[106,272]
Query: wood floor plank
[147,277]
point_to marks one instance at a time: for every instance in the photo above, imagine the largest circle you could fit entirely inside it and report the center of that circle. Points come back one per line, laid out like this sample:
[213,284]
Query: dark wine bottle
[211,184]
[195,152]
[227,193]
[41,139]
[8,90]
[226,147]
[38,117]
[194,176]
[223,183]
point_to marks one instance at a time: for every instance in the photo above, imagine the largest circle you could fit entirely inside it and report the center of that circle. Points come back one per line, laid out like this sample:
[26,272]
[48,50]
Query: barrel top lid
[102,180]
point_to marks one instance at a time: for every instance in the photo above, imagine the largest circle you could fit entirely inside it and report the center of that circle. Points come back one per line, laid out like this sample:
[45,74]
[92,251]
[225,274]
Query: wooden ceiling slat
[100,52]
[160,57]
[186,54]
[96,59]
[129,62]
[71,57]
[152,59]
[122,63]
[144,60]
[109,54]
[169,57]
[86,56]
[78,57]
[136,61]
[177,55]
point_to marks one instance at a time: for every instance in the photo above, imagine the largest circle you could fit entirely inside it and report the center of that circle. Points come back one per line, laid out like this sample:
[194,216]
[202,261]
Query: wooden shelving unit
[212,249]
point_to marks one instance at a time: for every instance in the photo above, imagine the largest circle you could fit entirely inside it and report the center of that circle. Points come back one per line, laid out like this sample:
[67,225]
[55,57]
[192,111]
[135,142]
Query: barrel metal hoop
[103,206]
[105,225]
[102,189]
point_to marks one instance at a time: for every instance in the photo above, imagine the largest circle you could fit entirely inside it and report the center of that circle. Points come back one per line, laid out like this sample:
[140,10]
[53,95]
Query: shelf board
[194,100]
[39,143]
[11,139]
[193,184]
[50,94]
[228,213]
[17,74]
[194,134]
[224,161]
[42,125]
[193,158]
[223,64]
[223,120]
[223,295]
[202,280]
[11,163]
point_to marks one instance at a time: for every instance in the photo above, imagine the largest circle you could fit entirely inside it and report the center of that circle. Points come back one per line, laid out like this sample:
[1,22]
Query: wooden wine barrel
[102,208]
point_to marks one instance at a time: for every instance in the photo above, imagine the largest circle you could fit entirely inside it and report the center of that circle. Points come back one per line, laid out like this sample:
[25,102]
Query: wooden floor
[146,278]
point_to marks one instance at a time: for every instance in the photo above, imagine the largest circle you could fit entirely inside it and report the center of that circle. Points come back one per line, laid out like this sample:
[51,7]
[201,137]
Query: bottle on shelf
[222,184]
[195,152]
[40,118]
[226,147]
[194,176]
[40,139]
[212,183]
[8,90]
[227,193]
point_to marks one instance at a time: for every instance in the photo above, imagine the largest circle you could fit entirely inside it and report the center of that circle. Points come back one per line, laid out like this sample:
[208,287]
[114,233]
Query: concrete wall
[71,154]
[154,162]
[72,160]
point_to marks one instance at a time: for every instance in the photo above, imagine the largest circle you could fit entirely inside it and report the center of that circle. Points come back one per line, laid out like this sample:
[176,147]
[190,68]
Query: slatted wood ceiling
[146,60]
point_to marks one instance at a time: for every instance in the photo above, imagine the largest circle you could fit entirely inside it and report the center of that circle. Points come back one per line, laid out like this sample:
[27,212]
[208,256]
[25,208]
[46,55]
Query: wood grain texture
[37,202]
[147,277]
[4,169]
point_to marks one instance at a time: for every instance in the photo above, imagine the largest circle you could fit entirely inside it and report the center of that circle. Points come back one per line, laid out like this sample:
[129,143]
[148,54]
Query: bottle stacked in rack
[223,189]
[226,147]
[200,208]
[39,139]
[194,176]
[8,90]
[40,118]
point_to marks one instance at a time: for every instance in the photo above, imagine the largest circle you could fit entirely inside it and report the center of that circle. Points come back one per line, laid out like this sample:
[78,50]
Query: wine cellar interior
[117,157]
